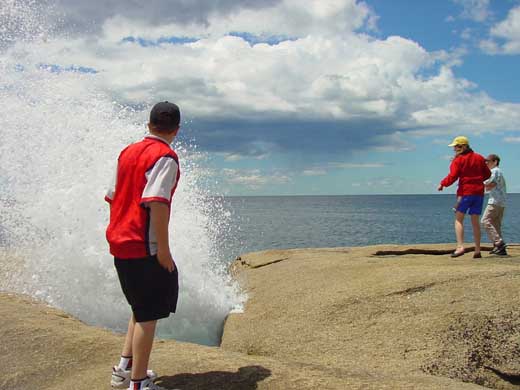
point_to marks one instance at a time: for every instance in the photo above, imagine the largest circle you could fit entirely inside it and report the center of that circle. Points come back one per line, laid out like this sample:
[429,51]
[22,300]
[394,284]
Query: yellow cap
[461,140]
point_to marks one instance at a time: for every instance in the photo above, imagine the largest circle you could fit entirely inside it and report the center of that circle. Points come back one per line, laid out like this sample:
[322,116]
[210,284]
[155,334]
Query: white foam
[60,136]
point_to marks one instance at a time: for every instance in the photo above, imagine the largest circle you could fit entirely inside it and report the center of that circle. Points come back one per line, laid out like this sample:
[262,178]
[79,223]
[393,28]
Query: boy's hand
[440,188]
[166,260]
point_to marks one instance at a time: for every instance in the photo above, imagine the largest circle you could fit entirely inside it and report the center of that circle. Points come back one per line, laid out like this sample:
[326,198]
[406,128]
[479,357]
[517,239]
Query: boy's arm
[490,186]
[491,182]
[491,179]
[160,216]
[161,180]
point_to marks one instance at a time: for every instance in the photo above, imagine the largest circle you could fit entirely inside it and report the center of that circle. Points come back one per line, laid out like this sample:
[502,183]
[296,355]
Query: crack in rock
[412,290]
[417,251]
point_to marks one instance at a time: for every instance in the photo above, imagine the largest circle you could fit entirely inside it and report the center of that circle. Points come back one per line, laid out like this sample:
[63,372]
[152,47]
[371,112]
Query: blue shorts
[472,204]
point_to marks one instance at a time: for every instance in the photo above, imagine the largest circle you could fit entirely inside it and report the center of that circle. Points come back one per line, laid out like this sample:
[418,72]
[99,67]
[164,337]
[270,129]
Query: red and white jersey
[147,171]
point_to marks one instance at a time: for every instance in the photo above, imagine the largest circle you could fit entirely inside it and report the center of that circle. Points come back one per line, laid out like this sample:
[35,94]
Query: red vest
[129,231]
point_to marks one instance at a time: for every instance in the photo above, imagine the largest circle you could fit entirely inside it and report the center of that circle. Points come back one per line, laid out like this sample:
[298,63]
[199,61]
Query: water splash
[61,133]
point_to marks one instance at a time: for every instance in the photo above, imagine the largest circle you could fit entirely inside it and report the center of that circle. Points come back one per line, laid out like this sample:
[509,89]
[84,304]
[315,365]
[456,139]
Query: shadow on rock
[246,378]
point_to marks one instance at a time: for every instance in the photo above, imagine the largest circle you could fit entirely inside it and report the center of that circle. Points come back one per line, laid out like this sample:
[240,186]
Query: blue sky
[440,25]
[307,96]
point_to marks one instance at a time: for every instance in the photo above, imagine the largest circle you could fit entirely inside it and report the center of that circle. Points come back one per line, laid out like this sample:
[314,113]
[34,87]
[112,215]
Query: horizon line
[301,195]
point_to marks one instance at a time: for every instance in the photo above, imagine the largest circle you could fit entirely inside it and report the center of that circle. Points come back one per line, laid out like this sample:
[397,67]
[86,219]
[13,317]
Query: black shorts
[150,290]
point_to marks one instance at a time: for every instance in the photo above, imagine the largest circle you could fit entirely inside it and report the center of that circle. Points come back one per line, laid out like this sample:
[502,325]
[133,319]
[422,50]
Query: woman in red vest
[470,169]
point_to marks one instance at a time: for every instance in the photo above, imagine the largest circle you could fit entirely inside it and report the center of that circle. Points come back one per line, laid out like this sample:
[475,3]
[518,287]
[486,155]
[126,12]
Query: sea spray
[61,133]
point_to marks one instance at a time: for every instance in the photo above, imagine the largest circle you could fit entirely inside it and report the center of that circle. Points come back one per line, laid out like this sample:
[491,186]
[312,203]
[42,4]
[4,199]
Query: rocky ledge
[380,317]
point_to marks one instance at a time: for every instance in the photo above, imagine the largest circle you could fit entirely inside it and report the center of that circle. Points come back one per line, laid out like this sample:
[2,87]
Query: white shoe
[121,378]
[147,384]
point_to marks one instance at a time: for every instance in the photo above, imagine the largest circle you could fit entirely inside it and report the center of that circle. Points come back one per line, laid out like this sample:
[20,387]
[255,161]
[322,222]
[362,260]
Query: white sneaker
[147,384]
[121,378]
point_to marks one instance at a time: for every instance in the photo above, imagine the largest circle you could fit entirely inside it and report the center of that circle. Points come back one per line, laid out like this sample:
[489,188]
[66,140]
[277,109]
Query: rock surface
[398,316]
[316,319]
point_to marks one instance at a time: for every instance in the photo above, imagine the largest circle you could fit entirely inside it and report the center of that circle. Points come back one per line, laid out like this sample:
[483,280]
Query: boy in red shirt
[471,170]
[140,200]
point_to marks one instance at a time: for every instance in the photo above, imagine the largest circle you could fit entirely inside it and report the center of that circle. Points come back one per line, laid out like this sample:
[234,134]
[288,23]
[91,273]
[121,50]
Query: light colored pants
[492,222]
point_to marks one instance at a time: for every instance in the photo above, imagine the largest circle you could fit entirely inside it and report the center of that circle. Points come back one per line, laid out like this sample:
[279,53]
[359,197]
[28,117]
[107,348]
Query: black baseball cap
[165,116]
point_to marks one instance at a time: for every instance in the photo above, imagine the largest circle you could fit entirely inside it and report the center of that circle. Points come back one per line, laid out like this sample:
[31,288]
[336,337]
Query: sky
[309,97]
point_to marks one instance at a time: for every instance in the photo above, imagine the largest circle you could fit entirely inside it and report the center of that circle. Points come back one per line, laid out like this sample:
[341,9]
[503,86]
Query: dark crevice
[435,252]
[245,263]
[514,379]
[412,290]
[269,263]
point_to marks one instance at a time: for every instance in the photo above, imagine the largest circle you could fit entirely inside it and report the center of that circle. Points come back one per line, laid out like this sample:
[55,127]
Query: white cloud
[357,165]
[80,16]
[257,150]
[289,18]
[477,10]
[226,74]
[254,179]
[233,157]
[467,34]
[513,140]
[323,170]
[394,143]
[451,58]
[394,185]
[490,46]
[505,35]
[314,172]
[328,73]
[297,18]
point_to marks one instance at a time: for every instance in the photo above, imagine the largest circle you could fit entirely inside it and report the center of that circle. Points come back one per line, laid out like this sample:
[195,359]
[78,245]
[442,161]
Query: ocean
[269,222]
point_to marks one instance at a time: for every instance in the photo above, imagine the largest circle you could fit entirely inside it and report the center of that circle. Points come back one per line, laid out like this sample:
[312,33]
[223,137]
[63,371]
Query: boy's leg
[142,342]
[500,216]
[127,347]
[489,221]
[121,372]
[486,222]
[475,221]
[459,229]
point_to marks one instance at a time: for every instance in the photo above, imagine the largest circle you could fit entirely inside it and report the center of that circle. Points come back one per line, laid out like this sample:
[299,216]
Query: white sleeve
[160,181]
[109,195]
